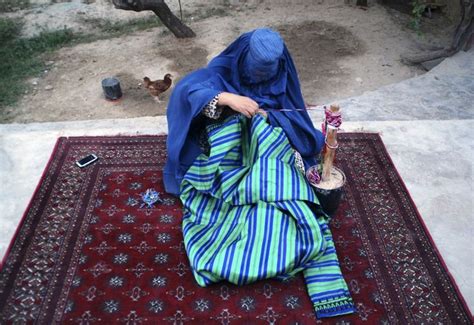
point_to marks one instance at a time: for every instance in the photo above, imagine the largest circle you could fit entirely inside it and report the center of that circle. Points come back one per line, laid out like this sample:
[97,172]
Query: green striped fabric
[249,214]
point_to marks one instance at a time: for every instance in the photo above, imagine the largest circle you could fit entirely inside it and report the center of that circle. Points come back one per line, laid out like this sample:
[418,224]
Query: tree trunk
[362,3]
[462,40]
[161,9]
[463,36]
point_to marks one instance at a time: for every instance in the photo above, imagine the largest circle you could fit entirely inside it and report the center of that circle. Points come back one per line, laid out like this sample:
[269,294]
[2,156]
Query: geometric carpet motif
[88,252]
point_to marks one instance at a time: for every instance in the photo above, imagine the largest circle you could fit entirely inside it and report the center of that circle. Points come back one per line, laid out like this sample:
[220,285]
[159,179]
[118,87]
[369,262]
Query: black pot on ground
[111,87]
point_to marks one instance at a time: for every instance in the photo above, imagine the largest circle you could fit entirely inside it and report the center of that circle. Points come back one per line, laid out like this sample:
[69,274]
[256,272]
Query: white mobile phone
[87,160]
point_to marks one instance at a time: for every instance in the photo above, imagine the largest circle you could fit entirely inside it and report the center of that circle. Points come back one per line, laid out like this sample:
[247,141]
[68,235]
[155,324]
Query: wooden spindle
[331,145]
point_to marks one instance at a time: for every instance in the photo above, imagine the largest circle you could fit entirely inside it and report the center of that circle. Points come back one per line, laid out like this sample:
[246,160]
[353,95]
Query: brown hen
[155,88]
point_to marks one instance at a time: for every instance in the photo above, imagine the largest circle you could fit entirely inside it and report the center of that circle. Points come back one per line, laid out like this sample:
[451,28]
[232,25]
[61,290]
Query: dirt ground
[339,50]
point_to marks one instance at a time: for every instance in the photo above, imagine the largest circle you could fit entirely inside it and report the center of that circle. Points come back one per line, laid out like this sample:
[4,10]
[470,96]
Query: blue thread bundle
[150,197]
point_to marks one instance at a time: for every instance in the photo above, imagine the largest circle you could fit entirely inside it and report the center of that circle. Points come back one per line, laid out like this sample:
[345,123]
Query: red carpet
[87,253]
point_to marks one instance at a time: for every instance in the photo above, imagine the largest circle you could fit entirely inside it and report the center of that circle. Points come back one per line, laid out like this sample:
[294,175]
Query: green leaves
[419,8]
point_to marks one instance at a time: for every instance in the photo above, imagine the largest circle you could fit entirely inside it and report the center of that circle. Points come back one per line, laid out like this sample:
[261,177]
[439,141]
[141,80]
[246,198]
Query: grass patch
[13,5]
[20,58]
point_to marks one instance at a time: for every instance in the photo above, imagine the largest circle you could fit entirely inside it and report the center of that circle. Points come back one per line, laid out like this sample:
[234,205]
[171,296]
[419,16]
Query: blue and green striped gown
[249,214]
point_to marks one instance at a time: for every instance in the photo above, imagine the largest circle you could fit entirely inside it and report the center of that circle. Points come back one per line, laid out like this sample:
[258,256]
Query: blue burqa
[225,73]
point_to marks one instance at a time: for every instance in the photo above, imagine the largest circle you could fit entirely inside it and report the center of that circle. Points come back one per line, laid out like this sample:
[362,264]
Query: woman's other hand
[241,104]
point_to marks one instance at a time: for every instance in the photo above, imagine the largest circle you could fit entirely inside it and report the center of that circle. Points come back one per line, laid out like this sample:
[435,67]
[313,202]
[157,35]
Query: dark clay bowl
[329,199]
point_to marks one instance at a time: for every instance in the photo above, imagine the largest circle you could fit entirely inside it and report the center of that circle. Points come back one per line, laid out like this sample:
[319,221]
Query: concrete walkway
[426,124]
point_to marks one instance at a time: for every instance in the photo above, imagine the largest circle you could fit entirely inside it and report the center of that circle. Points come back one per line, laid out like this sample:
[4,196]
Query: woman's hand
[241,104]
